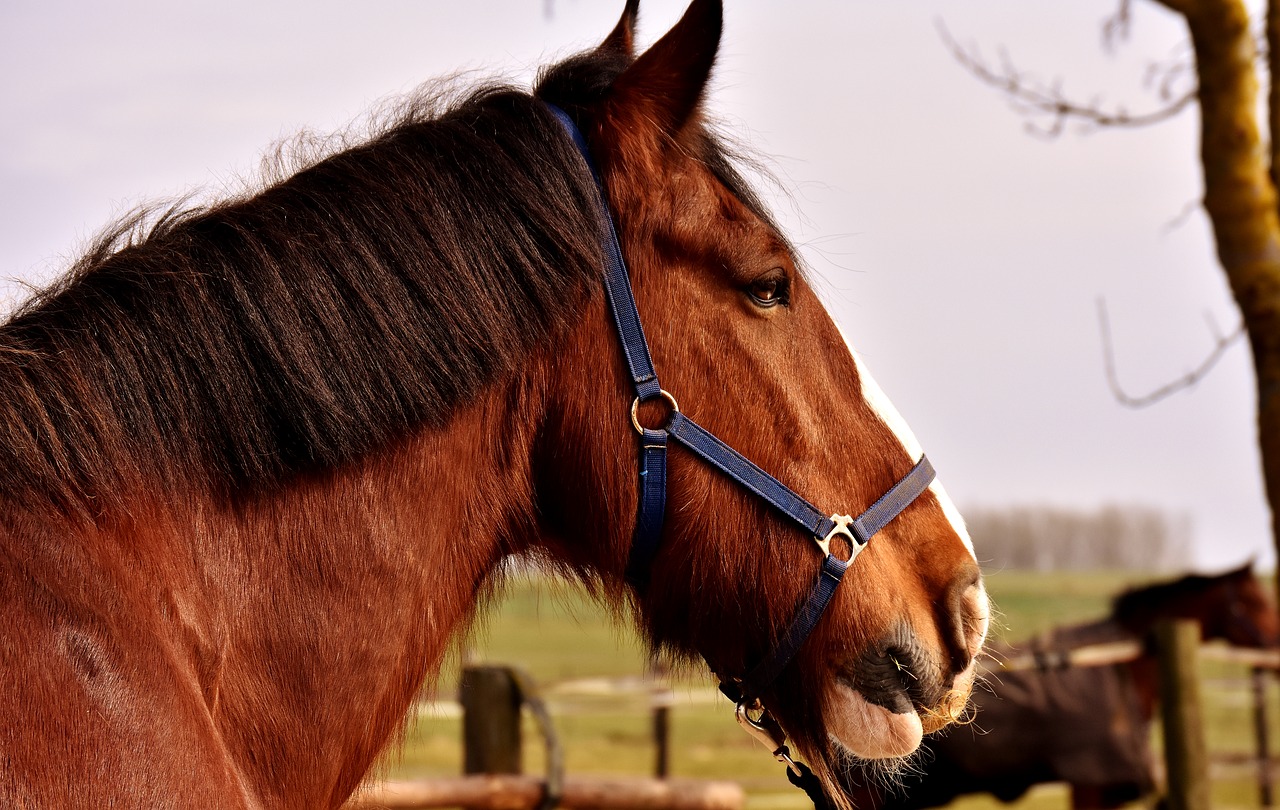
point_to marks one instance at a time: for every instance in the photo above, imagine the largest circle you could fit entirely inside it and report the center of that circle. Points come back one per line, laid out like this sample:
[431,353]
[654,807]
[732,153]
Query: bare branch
[1182,217]
[1050,104]
[1221,344]
[1165,76]
[1116,27]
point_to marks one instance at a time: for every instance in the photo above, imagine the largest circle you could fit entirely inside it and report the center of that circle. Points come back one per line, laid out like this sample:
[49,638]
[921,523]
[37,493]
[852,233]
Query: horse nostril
[966,617]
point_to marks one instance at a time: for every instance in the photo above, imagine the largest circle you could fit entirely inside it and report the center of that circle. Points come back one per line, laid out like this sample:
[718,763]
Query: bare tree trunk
[1240,196]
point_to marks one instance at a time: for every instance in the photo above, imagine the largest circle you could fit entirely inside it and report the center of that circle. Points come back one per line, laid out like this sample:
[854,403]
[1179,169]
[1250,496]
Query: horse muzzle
[881,704]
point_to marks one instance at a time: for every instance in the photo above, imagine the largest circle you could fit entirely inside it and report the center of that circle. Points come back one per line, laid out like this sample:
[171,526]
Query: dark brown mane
[370,293]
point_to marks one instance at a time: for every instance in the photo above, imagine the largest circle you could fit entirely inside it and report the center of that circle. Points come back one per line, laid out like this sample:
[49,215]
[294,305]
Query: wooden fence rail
[510,792]
[491,699]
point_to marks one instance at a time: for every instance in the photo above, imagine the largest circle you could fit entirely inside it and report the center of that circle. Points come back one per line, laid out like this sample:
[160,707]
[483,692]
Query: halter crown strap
[617,283]
[704,444]
[635,349]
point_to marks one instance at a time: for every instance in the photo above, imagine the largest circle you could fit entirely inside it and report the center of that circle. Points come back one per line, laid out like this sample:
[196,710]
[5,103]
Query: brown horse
[1087,726]
[258,462]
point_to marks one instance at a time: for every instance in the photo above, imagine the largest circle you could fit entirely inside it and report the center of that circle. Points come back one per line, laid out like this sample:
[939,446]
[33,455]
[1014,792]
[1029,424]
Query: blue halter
[653,466]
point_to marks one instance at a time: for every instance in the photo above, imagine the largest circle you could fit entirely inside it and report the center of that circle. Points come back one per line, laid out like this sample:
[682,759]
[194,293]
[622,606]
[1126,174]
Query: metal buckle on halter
[766,730]
[843,522]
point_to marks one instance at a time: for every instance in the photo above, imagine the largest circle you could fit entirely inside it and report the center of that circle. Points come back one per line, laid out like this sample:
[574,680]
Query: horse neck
[352,584]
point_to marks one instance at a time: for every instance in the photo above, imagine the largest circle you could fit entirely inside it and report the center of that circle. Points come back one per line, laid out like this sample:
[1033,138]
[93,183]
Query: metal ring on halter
[635,409]
[842,528]
[767,731]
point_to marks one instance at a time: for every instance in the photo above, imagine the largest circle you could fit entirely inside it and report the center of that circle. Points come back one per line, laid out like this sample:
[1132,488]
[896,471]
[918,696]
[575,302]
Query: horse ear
[622,40]
[665,84]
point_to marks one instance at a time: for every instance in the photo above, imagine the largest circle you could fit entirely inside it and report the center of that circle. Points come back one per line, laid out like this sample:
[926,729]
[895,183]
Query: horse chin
[869,731]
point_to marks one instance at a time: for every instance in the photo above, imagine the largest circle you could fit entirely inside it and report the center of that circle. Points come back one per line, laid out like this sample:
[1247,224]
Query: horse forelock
[372,293]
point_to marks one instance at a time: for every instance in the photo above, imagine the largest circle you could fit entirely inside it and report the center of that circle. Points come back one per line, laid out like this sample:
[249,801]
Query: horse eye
[768,292]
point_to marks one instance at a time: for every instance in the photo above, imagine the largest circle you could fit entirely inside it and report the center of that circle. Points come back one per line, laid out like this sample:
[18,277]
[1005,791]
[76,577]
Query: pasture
[570,644]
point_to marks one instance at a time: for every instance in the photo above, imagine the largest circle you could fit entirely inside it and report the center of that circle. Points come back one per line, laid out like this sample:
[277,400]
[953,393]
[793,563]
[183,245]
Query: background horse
[1087,726]
[257,462]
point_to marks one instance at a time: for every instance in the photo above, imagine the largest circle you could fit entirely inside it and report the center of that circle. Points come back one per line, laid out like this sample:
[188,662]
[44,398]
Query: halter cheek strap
[702,443]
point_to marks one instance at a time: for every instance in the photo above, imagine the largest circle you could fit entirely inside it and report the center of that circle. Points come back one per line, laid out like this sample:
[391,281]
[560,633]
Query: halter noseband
[746,691]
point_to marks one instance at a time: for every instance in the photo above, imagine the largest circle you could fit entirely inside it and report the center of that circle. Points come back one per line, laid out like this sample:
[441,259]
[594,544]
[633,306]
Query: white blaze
[882,407]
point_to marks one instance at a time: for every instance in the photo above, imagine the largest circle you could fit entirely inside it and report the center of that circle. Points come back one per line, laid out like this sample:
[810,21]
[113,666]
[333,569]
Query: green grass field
[557,634]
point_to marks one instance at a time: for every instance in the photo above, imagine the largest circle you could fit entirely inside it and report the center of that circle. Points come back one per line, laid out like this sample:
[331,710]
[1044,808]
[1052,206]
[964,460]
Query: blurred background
[961,244]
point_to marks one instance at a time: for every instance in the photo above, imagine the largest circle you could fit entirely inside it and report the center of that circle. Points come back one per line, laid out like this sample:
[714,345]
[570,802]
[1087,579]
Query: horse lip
[892,679]
[869,731]
[892,697]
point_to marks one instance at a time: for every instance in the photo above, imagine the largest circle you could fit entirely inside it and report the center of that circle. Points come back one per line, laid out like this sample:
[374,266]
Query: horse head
[743,343]
[1232,606]
[1251,619]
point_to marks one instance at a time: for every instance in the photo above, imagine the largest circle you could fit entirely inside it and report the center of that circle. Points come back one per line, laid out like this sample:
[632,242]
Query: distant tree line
[1048,538]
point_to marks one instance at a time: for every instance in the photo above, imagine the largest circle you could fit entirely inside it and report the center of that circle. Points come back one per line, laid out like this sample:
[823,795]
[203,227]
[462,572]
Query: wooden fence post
[662,739]
[490,720]
[1260,676]
[660,703]
[1178,644]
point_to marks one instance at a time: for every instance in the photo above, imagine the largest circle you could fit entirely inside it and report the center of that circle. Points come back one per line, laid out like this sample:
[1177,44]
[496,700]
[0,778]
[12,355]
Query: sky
[962,253]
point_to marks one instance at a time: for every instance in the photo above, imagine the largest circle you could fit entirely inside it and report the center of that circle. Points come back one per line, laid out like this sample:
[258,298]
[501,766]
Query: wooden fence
[512,792]
[492,699]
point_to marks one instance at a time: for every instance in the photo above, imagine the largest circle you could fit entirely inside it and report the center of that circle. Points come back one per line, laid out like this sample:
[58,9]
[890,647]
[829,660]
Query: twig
[1222,343]
[1033,99]
[1116,27]
[1181,217]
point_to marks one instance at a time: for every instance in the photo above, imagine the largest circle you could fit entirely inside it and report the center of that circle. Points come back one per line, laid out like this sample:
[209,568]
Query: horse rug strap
[653,446]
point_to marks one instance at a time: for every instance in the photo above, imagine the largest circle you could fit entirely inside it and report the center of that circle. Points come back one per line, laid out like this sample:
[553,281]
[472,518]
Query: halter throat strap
[702,443]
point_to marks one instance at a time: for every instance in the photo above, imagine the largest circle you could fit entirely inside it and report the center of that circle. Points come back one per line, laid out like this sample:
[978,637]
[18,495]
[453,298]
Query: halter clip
[766,730]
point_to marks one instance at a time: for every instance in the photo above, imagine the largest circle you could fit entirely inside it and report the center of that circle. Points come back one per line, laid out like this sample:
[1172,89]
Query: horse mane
[370,294]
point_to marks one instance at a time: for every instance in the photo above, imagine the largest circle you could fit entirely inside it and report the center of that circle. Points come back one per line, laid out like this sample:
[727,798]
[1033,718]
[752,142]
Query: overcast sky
[963,255]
